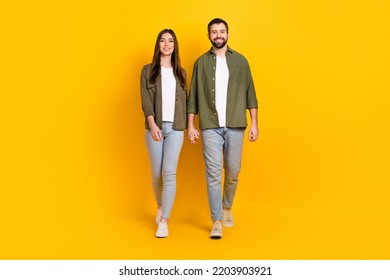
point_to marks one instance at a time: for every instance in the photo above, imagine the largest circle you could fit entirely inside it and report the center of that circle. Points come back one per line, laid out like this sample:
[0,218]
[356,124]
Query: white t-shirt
[168,94]
[221,85]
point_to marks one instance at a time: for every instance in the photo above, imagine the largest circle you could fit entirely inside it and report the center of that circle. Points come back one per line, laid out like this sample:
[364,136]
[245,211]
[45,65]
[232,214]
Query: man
[221,91]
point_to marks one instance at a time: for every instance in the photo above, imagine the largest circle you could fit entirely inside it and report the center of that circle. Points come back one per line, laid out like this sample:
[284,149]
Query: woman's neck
[166,61]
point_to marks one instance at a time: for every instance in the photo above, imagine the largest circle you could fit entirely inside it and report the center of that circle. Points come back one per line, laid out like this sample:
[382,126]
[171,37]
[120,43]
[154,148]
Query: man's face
[218,35]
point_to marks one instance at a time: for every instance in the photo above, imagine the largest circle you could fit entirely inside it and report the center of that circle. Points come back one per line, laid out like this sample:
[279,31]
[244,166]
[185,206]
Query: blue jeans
[222,147]
[164,156]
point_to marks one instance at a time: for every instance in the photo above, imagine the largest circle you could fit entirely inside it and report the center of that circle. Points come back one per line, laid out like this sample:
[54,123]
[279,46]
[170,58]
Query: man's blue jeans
[222,147]
[164,157]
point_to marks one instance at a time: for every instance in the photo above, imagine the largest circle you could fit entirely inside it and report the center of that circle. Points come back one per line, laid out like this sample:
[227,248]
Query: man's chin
[219,46]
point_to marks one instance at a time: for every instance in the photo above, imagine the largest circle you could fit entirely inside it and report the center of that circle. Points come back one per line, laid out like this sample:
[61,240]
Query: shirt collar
[229,50]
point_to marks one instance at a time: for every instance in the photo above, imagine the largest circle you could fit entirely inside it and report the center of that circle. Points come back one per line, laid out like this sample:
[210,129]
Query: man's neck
[220,52]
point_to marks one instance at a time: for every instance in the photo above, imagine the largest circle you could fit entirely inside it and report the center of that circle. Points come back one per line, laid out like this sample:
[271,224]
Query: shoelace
[217,227]
[228,216]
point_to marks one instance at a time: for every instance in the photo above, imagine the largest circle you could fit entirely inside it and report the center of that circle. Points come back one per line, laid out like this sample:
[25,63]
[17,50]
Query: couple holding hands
[221,91]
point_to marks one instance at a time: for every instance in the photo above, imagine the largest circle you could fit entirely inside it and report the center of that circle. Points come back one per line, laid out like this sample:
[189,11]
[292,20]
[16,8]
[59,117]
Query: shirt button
[213,79]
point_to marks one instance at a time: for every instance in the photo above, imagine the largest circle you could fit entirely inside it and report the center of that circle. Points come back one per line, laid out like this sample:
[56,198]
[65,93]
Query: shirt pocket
[238,75]
[151,90]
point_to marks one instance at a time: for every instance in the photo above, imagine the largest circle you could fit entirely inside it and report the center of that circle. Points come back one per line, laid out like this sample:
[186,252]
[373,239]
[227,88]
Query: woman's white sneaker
[162,230]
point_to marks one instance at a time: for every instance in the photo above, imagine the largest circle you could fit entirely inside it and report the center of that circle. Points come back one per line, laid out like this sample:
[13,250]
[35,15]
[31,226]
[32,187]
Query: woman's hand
[154,130]
[192,134]
[156,133]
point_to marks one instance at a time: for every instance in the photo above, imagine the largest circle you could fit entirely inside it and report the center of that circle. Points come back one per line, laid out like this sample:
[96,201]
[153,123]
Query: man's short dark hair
[217,21]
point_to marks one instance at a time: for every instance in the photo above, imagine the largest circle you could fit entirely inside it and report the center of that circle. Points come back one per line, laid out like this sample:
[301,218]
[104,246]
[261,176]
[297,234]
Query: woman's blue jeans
[164,157]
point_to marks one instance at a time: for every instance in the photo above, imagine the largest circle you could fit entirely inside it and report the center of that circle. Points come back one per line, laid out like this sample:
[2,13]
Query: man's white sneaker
[228,220]
[216,230]
[158,215]
[162,230]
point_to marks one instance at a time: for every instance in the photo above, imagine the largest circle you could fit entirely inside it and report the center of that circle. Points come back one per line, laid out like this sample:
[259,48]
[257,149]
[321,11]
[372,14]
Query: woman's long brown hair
[175,59]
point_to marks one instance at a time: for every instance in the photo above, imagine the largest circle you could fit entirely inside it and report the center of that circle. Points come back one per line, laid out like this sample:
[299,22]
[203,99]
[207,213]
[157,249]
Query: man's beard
[220,45]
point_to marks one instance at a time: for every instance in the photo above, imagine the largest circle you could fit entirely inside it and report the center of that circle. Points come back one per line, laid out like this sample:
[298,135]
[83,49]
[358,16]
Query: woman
[164,94]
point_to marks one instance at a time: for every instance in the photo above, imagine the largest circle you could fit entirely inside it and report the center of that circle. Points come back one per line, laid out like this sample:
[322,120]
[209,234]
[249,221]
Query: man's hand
[192,134]
[253,133]
[253,130]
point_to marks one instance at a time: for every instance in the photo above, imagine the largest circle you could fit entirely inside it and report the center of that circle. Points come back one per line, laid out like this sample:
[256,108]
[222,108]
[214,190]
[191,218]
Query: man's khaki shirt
[241,93]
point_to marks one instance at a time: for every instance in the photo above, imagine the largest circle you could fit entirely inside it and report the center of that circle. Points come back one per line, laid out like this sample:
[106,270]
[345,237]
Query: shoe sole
[161,235]
[216,237]
[227,225]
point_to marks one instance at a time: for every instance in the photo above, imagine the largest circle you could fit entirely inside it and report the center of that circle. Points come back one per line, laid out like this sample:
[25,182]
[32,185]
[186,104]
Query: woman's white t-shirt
[168,94]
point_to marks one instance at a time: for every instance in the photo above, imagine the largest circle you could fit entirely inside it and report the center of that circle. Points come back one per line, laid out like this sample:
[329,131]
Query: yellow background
[75,180]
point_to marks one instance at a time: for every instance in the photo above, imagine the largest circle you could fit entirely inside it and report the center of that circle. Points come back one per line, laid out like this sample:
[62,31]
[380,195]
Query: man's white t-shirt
[168,83]
[221,85]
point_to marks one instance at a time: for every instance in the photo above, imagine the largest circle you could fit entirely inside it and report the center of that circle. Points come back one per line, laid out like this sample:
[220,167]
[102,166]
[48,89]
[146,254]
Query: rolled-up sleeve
[251,101]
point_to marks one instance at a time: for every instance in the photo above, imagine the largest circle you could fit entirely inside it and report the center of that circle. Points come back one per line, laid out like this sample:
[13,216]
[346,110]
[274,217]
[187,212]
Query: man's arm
[192,132]
[192,106]
[253,130]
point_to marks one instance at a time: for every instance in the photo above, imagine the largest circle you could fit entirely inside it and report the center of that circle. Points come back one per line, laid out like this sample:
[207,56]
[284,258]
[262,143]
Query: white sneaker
[158,215]
[216,230]
[162,230]
[228,220]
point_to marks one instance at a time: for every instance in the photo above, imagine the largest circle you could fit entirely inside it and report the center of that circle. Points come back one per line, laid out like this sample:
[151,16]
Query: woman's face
[167,46]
